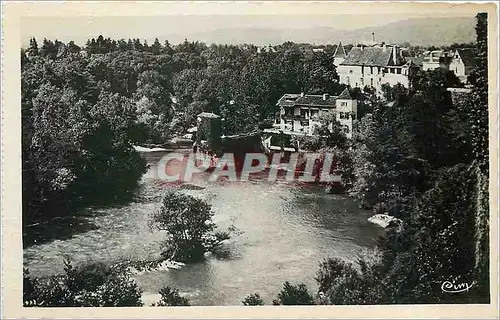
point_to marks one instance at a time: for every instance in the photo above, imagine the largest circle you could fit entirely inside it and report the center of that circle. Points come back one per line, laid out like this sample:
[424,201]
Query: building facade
[375,66]
[462,63]
[436,59]
[302,113]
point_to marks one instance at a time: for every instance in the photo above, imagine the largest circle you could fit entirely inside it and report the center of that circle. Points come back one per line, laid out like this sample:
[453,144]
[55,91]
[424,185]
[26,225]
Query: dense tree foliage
[294,295]
[93,285]
[170,298]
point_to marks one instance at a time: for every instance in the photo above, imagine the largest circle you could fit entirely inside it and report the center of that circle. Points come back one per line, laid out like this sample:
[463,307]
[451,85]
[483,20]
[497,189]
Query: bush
[294,295]
[188,221]
[345,283]
[253,299]
[171,297]
[93,285]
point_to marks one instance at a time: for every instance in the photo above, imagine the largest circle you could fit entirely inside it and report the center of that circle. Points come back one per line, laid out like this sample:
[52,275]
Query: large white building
[301,113]
[374,66]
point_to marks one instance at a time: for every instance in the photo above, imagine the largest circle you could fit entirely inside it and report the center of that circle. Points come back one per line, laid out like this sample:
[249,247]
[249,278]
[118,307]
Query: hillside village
[373,65]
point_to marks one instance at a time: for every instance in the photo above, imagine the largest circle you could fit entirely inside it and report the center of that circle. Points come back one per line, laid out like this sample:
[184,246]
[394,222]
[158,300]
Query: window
[345,129]
[398,71]
[343,104]
[371,70]
[371,82]
[362,81]
[353,116]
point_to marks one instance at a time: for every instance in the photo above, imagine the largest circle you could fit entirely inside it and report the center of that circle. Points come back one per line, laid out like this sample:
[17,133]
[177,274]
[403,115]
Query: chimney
[384,47]
[373,37]
[325,96]
[362,47]
[395,54]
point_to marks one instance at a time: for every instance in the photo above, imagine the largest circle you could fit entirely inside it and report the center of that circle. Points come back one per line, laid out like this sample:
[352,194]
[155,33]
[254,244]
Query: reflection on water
[285,231]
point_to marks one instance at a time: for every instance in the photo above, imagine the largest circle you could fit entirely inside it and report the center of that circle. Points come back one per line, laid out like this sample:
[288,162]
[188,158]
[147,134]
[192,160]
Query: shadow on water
[60,228]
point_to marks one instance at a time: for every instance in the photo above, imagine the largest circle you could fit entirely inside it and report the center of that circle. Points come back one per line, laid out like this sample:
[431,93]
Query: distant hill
[432,31]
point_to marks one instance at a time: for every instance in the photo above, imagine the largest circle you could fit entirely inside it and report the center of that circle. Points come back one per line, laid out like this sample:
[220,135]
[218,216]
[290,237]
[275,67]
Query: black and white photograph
[256,160]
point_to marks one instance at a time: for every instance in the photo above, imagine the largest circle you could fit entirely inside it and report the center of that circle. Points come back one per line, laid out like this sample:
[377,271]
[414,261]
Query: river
[285,230]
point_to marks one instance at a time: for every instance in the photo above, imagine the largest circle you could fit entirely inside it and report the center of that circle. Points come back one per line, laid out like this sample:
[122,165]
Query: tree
[156,47]
[292,295]
[48,49]
[345,283]
[188,221]
[33,48]
[477,107]
[171,297]
[239,116]
[73,48]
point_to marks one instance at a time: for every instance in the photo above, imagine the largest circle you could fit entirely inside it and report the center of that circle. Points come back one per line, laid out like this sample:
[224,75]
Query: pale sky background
[177,27]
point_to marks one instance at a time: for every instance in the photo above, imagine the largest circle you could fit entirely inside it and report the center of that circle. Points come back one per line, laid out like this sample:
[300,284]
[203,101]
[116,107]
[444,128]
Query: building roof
[311,100]
[368,56]
[339,51]
[468,56]
[208,115]
[345,95]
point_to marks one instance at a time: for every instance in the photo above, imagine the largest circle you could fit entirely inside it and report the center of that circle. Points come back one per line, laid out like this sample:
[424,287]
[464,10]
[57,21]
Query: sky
[81,28]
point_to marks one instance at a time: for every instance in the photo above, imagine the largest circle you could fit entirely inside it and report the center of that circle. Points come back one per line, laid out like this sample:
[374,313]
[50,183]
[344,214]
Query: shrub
[294,295]
[171,297]
[188,221]
[93,285]
[345,283]
[253,299]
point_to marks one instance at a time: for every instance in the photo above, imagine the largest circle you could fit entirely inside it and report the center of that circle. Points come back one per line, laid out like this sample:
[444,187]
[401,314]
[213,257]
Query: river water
[284,231]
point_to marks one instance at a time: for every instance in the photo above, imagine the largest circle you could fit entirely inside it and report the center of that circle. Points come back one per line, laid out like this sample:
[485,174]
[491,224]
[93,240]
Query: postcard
[249,160]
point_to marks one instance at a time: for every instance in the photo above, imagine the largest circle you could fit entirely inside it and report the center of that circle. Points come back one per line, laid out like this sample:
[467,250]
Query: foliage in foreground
[253,299]
[170,297]
[93,285]
[189,226]
[294,295]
